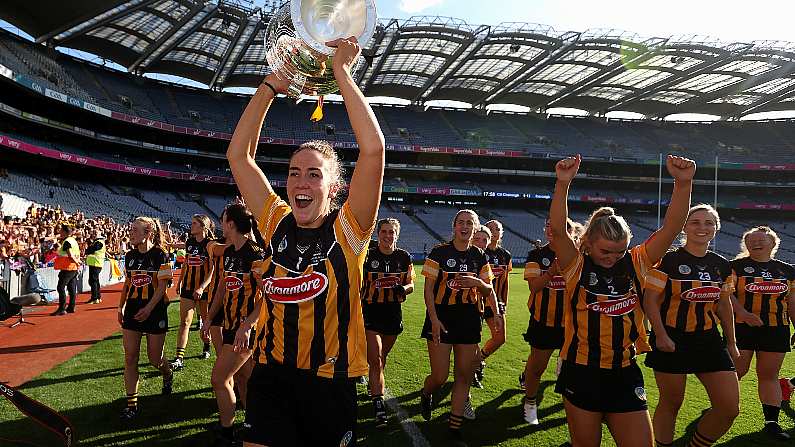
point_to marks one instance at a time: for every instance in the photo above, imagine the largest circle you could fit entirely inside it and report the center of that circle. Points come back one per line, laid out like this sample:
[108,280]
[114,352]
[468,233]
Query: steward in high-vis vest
[68,265]
[95,259]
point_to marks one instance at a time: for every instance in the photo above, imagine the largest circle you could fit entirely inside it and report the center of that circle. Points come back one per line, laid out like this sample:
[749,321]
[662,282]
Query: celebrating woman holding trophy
[310,334]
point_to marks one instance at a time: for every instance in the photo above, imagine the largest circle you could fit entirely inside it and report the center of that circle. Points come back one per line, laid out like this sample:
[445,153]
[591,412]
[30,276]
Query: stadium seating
[745,142]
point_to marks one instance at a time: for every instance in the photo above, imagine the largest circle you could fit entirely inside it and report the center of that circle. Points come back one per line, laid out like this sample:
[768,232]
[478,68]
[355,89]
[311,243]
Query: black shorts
[695,352]
[602,390]
[188,295]
[462,322]
[488,312]
[290,407]
[384,318]
[157,323]
[228,337]
[540,336]
[762,338]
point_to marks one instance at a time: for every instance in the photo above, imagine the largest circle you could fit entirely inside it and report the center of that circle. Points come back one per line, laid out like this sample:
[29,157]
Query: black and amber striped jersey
[602,319]
[762,288]
[241,272]
[445,264]
[215,250]
[546,306]
[691,286]
[383,272]
[197,264]
[311,318]
[143,271]
[501,266]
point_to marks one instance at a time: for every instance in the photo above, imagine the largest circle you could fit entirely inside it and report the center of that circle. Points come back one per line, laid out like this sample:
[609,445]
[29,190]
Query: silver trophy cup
[295,40]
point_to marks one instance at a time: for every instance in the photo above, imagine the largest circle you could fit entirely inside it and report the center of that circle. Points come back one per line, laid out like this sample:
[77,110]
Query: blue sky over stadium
[765,20]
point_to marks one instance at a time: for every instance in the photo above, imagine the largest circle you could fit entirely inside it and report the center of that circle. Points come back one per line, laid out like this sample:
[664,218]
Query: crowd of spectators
[34,238]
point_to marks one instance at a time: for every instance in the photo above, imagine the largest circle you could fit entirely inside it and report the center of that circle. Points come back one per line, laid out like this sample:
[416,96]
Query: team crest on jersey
[704,294]
[233,283]
[374,263]
[685,269]
[387,282]
[641,393]
[615,308]
[546,262]
[451,263]
[749,269]
[593,279]
[194,261]
[771,287]
[282,245]
[140,280]
[295,290]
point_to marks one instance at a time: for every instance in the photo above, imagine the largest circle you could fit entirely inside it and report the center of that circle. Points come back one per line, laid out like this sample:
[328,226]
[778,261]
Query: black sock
[455,422]
[206,347]
[770,412]
[227,432]
[530,400]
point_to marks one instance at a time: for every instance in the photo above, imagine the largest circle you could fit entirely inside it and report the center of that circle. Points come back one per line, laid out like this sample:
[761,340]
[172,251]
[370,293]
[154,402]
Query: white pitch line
[411,429]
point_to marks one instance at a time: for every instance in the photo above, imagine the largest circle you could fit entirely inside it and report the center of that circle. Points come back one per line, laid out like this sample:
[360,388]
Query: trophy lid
[320,21]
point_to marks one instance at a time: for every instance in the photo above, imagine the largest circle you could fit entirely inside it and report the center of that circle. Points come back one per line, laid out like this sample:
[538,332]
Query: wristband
[268,84]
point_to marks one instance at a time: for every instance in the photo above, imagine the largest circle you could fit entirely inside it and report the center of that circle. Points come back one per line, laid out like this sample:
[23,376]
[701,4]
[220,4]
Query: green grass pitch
[88,389]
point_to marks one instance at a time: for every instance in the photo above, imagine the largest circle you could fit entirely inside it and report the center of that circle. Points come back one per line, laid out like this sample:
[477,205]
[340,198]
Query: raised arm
[682,170]
[365,189]
[250,179]
[561,241]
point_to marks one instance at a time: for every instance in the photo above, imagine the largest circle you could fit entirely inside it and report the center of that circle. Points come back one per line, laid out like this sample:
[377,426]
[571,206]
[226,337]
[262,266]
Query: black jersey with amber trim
[501,266]
[762,288]
[692,287]
[241,270]
[445,265]
[311,318]
[383,272]
[603,320]
[196,266]
[143,271]
[546,305]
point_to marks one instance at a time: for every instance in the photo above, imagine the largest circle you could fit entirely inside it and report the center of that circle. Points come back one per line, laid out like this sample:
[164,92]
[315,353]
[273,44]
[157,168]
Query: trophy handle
[296,86]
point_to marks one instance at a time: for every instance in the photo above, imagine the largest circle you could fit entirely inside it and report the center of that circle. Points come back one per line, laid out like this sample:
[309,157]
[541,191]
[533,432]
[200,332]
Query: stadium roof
[219,43]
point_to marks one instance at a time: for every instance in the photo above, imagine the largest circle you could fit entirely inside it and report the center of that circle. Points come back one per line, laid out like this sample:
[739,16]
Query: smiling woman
[309,345]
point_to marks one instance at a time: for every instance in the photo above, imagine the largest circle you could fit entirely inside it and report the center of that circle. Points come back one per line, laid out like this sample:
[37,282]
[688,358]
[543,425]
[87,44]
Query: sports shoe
[426,405]
[530,412]
[469,412]
[177,365]
[128,413]
[58,312]
[168,384]
[773,430]
[786,389]
[381,419]
[205,354]
[522,380]
[361,380]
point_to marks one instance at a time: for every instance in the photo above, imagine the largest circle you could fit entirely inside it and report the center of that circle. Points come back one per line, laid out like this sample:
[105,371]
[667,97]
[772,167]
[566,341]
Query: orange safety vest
[63,261]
